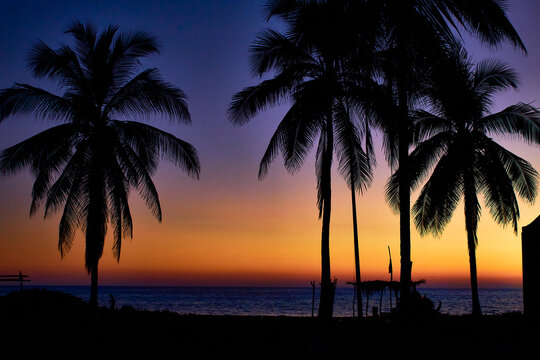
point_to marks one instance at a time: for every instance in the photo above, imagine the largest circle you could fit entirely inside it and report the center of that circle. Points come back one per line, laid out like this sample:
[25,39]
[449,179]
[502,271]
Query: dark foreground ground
[40,324]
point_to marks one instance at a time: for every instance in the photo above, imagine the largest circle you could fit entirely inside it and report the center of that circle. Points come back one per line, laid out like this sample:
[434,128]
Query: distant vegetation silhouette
[87,165]
[346,66]
[454,140]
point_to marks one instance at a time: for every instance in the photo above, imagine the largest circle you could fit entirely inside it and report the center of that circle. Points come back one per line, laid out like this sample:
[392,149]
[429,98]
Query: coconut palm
[418,33]
[88,163]
[356,167]
[455,140]
[309,73]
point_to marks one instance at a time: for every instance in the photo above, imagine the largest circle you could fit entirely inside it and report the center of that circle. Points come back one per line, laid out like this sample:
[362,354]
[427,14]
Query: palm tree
[455,140]
[309,73]
[418,32]
[356,167]
[89,162]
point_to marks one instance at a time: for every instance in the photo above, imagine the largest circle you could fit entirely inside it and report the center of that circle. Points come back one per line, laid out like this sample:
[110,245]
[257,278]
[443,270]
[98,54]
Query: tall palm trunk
[471,206]
[403,162]
[471,242]
[356,251]
[95,237]
[96,225]
[326,305]
[404,202]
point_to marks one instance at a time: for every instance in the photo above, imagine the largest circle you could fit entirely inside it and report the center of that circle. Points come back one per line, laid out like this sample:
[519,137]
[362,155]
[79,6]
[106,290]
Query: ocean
[278,301]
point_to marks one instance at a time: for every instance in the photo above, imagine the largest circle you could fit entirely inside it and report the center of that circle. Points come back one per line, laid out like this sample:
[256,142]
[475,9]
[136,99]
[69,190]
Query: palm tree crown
[309,70]
[89,162]
[454,140]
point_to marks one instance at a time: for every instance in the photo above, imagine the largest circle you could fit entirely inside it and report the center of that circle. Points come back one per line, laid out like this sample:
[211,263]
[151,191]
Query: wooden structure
[530,239]
[378,287]
[20,278]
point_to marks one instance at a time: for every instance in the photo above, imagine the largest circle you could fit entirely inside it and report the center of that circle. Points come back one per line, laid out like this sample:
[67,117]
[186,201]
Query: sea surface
[276,301]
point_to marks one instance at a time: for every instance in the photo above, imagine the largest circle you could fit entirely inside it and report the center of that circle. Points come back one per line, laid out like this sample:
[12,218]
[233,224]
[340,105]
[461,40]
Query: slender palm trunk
[326,304]
[403,161]
[96,221]
[471,206]
[356,252]
[95,237]
[404,202]
[476,311]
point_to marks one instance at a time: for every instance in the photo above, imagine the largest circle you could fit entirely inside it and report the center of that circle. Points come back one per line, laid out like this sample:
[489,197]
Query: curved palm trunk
[471,207]
[356,253]
[326,304]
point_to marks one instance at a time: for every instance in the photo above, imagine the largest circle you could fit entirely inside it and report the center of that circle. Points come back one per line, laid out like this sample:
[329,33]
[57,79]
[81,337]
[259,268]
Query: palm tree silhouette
[356,167]
[418,33]
[454,141]
[89,162]
[310,73]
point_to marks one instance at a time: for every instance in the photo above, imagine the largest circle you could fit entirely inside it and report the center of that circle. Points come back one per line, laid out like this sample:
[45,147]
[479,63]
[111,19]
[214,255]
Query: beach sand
[44,324]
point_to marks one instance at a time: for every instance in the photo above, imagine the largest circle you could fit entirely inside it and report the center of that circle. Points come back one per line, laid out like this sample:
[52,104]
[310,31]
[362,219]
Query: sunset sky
[228,228]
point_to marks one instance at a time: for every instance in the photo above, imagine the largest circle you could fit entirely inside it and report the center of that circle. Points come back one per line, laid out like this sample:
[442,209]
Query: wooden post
[531,270]
[20,278]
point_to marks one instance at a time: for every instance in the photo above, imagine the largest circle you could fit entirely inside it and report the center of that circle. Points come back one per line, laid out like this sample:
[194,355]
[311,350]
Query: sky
[228,228]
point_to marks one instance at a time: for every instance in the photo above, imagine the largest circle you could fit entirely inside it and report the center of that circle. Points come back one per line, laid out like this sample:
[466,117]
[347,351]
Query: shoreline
[277,301]
[42,323]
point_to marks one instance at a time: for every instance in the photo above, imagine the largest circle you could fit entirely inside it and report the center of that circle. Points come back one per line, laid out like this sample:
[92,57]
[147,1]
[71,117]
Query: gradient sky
[228,228]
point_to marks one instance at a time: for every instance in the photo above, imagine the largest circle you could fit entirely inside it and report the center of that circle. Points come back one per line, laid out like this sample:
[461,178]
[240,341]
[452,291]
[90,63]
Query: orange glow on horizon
[258,234]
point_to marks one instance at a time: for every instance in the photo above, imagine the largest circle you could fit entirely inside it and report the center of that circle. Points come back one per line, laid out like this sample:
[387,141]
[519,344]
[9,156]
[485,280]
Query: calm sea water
[279,301]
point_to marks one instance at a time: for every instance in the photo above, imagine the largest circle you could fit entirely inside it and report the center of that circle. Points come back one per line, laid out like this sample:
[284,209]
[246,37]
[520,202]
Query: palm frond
[175,150]
[23,99]
[62,65]
[523,175]
[73,172]
[301,126]
[496,186]
[273,50]
[421,161]
[85,39]
[148,94]
[46,167]
[254,99]
[487,19]
[439,197]
[323,164]
[492,76]
[72,214]
[426,125]
[126,51]
[118,190]
[37,148]
[354,164]
[521,120]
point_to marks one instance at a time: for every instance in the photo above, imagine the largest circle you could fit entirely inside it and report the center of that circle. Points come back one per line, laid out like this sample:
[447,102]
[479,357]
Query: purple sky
[205,53]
